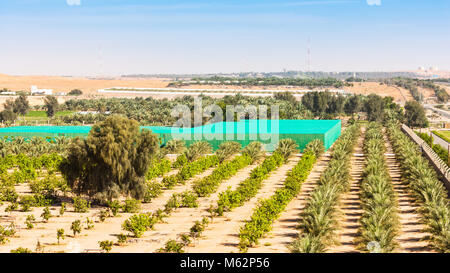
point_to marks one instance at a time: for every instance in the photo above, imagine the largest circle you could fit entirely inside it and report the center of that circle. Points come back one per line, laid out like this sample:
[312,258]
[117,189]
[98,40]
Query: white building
[36,91]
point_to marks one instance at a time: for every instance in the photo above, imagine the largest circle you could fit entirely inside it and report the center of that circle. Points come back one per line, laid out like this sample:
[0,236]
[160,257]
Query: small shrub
[122,239]
[60,234]
[106,245]
[46,215]
[114,206]
[76,227]
[138,224]
[80,205]
[89,223]
[189,200]
[62,209]
[30,221]
[172,246]
[131,206]
[153,190]
[21,250]
[104,214]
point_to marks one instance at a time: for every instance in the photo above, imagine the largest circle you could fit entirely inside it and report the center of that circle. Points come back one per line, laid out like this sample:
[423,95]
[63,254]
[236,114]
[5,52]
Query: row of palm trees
[319,219]
[429,192]
[34,146]
[379,221]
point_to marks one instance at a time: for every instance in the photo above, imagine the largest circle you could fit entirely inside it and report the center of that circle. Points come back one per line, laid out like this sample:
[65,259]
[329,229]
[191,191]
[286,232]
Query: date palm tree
[254,150]
[286,147]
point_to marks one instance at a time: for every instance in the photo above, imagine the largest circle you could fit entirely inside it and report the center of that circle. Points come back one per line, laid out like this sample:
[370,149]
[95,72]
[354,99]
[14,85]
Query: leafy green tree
[286,96]
[75,92]
[51,105]
[375,108]
[353,105]
[8,113]
[112,161]
[415,115]
[21,105]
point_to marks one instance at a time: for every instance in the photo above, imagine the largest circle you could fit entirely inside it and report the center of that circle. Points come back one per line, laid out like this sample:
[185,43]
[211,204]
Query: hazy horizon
[116,37]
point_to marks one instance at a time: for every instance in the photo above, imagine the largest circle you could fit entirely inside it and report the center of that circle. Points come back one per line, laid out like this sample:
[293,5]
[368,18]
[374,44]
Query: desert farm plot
[370,192]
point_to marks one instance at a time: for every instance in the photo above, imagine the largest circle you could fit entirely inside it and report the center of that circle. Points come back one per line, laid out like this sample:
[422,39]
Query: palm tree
[174,146]
[254,150]
[227,149]
[286,147]
[315,146]
[198,149]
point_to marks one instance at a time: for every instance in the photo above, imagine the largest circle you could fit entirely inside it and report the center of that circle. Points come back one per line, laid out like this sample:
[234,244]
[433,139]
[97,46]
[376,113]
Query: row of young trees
[429,192]
[269,209]
[319,219]
[247,189]
[379,221]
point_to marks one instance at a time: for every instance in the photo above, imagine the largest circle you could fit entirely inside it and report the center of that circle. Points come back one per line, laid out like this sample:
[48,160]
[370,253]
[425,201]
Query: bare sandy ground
[284,230]
[222,235]
[66,84]
[90,87]
[400,95]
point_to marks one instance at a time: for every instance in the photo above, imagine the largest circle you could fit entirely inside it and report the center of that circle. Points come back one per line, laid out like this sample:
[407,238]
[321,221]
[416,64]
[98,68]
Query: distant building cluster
[37,91]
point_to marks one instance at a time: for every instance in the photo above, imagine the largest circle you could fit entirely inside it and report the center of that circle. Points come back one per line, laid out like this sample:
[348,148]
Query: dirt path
[350,205]
[411,235]
[222,235]
[88,239]
[285,230]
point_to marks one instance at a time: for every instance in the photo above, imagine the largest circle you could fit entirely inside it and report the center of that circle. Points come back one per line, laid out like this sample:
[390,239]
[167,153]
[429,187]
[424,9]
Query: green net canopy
[268,132]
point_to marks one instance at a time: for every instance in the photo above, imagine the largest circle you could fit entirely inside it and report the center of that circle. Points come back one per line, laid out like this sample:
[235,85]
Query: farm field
[370,198]
[444,133]
[90,86]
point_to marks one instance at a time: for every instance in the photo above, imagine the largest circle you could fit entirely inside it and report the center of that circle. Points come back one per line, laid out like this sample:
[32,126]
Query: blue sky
[113,37]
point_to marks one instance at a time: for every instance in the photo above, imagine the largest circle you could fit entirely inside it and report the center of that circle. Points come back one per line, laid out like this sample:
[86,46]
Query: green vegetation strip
[320,216]
[209,184]
[188,170]
[441,152]
[269,210]
[428,190]
[445,135]
[158,168]
[379,221]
